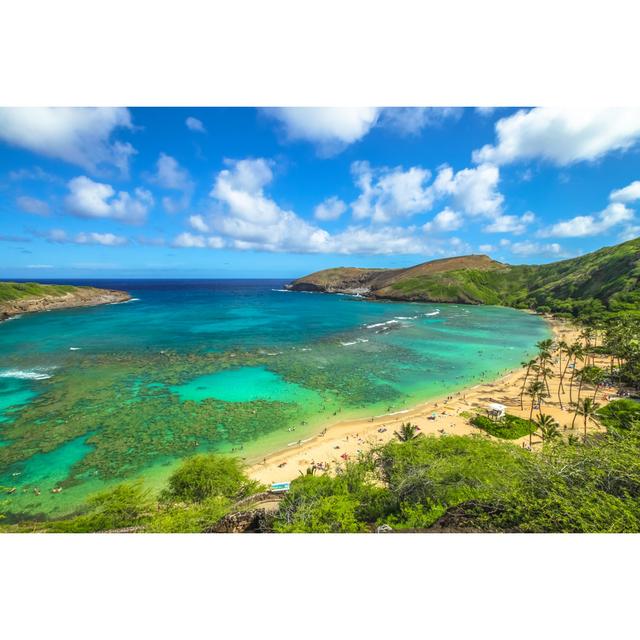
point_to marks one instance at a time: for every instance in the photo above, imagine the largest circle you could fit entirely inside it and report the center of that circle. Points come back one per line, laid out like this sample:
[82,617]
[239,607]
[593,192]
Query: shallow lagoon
[91,396]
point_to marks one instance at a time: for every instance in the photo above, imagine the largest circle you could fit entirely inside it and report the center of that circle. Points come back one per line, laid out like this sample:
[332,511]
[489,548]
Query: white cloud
[591,225]
[330,128]
[330,209]
[193,124]
[561,136]
[106,239]
[510,224]
[198,223]
[627,194]
[630,233]
[474,191]
[36,174]
[388,193]
[39,266]
[188,240]
[528,248]
[90,199]
[486,248]
[60,236]
[377,241]
[411,120]
[170,175]
[33,205]
[248,219]
[253,220]
[80,136]
[446,220]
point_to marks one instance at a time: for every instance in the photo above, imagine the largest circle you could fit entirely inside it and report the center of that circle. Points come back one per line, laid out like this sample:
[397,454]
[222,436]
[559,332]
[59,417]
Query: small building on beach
[496,410]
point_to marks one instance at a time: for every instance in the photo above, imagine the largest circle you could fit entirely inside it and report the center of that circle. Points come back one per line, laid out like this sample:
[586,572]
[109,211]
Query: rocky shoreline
[81,297]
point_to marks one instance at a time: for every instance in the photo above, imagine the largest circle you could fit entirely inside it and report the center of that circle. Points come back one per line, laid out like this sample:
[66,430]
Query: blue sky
[242,192]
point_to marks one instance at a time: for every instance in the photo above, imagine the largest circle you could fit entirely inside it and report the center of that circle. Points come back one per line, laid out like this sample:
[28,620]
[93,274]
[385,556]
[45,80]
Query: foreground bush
[462,483]
[126,505]
[206,476]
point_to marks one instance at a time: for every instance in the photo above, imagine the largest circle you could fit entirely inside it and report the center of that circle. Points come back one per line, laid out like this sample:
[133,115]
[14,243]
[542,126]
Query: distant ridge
[609,276]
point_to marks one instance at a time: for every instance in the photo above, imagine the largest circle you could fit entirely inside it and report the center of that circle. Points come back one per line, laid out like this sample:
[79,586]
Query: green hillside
[606,279]
[18,290]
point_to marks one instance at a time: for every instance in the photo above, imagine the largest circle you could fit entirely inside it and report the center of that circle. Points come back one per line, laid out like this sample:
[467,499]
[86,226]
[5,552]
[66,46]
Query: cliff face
[44,300]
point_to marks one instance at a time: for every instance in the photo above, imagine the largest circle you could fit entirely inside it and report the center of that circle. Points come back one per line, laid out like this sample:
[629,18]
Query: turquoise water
[243,385]
[89,397]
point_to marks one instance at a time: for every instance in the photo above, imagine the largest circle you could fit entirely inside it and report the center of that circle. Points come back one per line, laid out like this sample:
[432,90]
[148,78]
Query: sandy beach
[344,440]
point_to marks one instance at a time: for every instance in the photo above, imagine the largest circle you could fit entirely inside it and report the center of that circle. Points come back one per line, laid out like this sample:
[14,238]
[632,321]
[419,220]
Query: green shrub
[126,505]
[193,518]
[205,476]
[508,428]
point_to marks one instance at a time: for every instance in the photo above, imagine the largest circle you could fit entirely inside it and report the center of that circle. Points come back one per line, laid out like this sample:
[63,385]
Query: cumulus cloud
[630,193]
[251,219]
[170,175]
[188,240]
[377,241]
[510,224]
[193,124]
[528,248]
[474,191]
[580,226]
[389,193]
[330,209]
[561,136]
[79,136]
[486,248]
[90,199]
[245,217]
[33,205]
[330,128]
[198,223]
[446,220]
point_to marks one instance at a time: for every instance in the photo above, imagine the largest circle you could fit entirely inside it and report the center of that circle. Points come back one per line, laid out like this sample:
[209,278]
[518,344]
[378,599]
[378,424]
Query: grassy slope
[17,290]
[611,275]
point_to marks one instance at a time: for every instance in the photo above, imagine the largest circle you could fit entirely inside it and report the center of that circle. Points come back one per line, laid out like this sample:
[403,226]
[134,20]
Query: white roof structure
[496,406]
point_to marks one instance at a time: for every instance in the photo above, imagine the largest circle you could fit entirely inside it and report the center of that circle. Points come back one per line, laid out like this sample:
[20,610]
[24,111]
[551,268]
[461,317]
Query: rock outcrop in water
[17,298]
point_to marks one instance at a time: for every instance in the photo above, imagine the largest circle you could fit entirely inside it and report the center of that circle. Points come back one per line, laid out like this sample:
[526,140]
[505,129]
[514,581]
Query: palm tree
[544,357]
[547,426]
[578,354]
[529,366]
[596,377]
[568,351]
[588,410]
[406,432]
[535,390]
[545,345]
[546,374]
